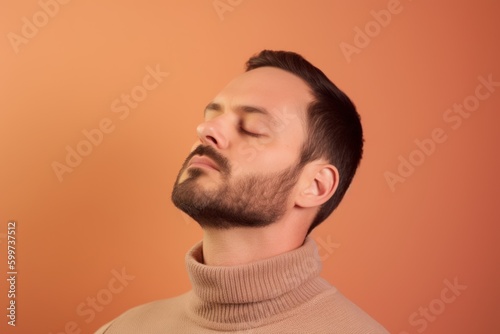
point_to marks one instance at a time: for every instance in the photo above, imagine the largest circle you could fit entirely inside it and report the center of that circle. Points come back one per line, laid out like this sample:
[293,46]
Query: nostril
[212,139]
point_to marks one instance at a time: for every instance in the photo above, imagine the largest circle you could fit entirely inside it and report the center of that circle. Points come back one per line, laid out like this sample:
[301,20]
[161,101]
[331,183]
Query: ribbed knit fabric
[282,294]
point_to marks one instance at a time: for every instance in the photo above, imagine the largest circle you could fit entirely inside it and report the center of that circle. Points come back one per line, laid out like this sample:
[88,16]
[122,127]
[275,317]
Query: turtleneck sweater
[281,294]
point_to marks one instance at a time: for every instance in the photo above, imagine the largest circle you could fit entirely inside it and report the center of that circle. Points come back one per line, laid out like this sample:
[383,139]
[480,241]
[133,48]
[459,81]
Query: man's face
[244,167]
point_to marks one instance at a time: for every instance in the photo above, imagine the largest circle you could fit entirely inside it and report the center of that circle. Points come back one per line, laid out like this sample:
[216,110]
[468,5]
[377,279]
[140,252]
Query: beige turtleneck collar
[255,292]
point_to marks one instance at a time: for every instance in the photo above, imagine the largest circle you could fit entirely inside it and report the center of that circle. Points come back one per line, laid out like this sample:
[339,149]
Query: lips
[204,162]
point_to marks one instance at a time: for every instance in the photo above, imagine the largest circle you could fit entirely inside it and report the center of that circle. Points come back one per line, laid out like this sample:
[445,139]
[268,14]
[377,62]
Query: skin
[267,142]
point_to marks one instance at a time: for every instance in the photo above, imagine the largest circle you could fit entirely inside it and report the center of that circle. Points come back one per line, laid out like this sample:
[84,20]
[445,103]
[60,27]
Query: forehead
[280,93]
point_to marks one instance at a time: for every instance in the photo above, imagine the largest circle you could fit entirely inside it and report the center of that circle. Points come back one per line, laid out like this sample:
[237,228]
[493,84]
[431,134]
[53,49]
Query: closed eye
[248,133]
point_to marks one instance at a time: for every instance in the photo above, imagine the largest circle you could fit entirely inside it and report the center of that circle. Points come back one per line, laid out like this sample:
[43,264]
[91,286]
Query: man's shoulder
[334,310]
[148,313]
[153,308]
[327,312]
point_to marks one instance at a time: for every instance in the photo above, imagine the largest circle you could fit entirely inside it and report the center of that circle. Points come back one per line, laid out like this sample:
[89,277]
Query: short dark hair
[333,124]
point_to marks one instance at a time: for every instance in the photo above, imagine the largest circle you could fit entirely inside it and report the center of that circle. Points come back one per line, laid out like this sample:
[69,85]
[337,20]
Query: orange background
[393,249]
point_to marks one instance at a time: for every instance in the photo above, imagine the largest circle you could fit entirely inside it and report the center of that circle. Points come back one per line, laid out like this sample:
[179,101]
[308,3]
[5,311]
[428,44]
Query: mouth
[203,162]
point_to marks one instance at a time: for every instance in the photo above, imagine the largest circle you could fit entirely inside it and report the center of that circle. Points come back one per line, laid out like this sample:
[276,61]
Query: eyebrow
[244,108]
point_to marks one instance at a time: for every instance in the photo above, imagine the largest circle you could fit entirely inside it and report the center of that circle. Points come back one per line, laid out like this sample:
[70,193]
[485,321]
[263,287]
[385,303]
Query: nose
[212,133]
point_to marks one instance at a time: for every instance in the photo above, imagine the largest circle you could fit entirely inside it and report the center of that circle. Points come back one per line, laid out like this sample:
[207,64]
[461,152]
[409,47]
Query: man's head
[267,134]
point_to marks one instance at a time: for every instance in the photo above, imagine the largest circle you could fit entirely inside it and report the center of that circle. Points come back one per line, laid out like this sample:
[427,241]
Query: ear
[319,186]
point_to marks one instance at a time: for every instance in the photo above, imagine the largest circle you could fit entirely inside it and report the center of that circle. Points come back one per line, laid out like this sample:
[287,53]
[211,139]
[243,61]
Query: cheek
[277,160]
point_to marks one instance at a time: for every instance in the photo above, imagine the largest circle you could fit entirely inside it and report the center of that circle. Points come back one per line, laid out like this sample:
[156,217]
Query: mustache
[210,152]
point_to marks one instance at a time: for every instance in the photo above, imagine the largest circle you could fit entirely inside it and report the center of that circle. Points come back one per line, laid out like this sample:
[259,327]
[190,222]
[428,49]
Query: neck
[237,246]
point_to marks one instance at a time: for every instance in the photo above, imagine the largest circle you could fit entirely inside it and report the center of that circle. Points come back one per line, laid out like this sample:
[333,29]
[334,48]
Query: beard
[256,200]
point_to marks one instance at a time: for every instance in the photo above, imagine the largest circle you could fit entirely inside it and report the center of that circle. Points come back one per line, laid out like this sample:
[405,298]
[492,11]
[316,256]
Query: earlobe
[320,188]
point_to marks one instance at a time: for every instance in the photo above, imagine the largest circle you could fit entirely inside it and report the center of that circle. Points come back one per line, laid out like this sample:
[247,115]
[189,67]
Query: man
[277,150]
